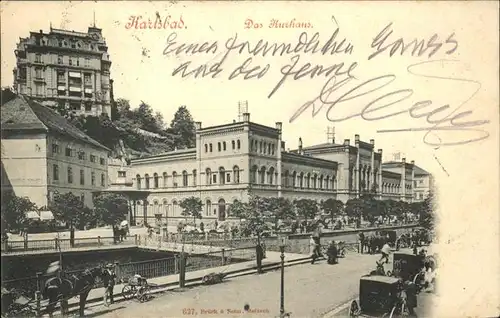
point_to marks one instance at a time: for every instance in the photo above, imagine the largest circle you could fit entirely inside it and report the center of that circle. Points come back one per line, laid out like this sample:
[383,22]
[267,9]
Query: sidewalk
[172,281]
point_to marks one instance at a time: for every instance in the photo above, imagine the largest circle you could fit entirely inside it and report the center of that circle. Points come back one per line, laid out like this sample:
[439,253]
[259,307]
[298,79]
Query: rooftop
[22,113]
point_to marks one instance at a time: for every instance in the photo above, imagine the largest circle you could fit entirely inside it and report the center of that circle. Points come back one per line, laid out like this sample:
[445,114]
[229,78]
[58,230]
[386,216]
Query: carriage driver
[108,279]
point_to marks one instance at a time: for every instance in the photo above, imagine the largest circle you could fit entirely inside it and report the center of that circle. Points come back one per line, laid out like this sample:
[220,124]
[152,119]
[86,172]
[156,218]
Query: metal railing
[56,244]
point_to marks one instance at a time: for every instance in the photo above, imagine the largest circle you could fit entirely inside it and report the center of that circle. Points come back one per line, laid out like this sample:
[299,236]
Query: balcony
[75,74]
[75,89]
[39,79]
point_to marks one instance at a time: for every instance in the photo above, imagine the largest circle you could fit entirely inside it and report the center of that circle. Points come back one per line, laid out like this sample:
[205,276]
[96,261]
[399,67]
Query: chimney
[403,160]
[234,121]
[300,145]
[346,142]
[356,138]
[380,151]
[246,117]
[279,125]
[413,162]
[197,125]
[282,146]
[372,141]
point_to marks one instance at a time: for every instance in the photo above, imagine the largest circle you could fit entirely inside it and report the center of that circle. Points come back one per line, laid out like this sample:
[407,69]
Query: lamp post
[282,242]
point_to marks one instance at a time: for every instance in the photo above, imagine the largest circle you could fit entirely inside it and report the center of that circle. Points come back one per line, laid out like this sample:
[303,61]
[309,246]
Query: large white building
[236,160]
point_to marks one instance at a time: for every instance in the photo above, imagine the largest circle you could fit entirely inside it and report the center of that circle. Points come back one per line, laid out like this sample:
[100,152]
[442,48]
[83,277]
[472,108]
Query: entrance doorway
[222,210]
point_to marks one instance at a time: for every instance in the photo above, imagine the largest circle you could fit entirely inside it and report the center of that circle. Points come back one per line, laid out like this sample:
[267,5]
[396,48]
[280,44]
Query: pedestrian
[109,278]
[386,249]
[313,249]
[361,242]
[332,253]
[260,255]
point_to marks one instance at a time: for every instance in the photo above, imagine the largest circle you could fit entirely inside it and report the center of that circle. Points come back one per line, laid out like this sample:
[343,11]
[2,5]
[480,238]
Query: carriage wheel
[128,291]
[417,280]
[353,309]
[143,294]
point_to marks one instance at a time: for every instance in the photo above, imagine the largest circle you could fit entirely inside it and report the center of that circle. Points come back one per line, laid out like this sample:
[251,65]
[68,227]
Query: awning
[61,88]
[40,215]
[88,90]
[75,89]
[75,74]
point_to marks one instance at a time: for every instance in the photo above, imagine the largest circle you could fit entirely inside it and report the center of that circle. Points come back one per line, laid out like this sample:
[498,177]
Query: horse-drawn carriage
[408,266]
[380,296]
[390,237]
[138,287]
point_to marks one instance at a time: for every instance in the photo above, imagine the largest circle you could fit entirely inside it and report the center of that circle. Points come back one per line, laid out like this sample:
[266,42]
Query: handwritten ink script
[342,86]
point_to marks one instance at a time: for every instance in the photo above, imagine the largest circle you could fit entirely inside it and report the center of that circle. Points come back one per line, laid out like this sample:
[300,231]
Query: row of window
[211,178]
[69,152]
[223,176]
[70,176]
[71,60]
[74,44]
[262,147]
[166,209]
[222,146]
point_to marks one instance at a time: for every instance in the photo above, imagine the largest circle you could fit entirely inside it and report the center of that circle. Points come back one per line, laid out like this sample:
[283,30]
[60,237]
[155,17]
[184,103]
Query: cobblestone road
[310,290]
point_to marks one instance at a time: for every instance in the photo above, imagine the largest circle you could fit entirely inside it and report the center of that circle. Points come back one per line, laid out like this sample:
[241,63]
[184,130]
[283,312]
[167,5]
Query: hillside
[137,131]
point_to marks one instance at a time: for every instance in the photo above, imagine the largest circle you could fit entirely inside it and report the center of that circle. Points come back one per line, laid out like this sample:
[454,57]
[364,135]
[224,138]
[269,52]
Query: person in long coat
[332,253]
[313,249]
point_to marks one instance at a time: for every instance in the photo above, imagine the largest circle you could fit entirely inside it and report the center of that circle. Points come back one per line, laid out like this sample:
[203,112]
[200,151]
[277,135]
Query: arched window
[236,174]
[286,181]
[265,148]
[222,175]
[320,185]
[218,146]
[253,174]
[208,207]
[208,175]
[238,144]
[222,210]
[138,180]
[308,181]
[327,182]
[260,147]
[206,148]
[194,177]
[262,175]
[174,208]
[294,179]
[184,178]
[210,147]
[301,180]
[146,179]
[164,179]
[233,144]
[270,175]
[156,180]
[269,149]
[224,145]
[174,179]
[314,183]
[165,208]
[156,209]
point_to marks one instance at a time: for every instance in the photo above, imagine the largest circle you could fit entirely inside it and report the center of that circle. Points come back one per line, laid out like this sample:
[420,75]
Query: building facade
[42,153]
[423,184]
[65,70]
[238,160]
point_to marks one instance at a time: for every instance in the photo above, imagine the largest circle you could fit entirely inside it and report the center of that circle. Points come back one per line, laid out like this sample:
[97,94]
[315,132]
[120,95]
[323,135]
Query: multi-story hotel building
[43,153]
[423,184]
[234,161]
[65,69]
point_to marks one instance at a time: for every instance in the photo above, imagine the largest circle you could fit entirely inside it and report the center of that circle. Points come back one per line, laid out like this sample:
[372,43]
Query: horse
[61,289]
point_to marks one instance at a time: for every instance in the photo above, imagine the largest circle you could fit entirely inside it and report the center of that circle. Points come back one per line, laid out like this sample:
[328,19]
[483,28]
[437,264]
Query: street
[310,291]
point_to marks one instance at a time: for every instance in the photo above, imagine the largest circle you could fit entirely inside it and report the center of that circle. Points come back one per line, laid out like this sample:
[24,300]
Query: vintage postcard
[250,158]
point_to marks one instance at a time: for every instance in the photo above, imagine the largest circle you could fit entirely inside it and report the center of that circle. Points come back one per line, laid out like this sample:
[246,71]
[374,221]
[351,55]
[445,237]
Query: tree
[306,208]
[332,207]
[254,215]
[14,211]
[354,208]
[281,209]
[192,206]
[67,208]
[110,207]
[238,209]
[183,126]
[427,217]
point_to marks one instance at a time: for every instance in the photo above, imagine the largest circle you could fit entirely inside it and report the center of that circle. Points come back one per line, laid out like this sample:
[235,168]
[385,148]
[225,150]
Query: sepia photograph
[249,158]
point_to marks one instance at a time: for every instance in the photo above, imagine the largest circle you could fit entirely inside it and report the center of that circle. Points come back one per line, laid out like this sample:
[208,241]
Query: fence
[11,246]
